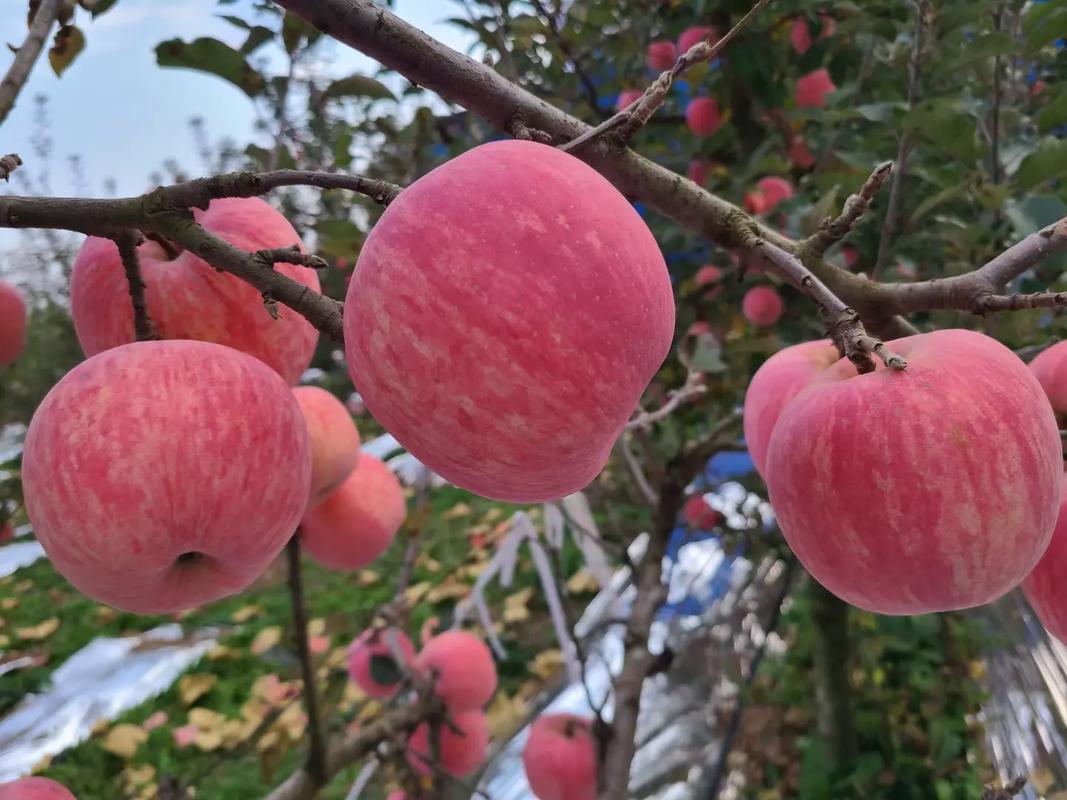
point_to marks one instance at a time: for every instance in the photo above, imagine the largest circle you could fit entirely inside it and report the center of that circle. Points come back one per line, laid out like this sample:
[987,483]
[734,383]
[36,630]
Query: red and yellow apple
[333,438]
[461,668]
[927,489]
[506,290]
[627,97]
[699,515]
[186,298]
[12,323]
[560,758]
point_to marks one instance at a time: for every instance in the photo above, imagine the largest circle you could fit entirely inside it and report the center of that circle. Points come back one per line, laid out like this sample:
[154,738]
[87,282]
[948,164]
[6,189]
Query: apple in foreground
[372,664]
[12,323]
[463,744]
[187,298]
[927,489]
[506,290]
[560,758]
[333,438]
[1044,587]
[162,475]
[778,380]
[34,788]
[461,668]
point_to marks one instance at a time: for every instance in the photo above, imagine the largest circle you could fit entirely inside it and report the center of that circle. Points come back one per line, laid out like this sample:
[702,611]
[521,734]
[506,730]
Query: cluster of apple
[929,489]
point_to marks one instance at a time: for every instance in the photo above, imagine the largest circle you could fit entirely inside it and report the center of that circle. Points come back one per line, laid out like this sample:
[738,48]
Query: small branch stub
[9,164]
[832,231]
[289,255]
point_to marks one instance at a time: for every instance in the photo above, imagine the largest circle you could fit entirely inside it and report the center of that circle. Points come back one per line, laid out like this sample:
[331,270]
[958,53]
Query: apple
[461,669]
[372,664]
[661,55]
[762,306]
[813,88]
[774,190]
[504,291]
[699,515]
[800,155]
[695,35]
[927,489]
[1050,368]
[560,758]
[698,171]
[757,203]
[628,97]
[463,740]
[851,254]
[332,436]
[186,298]
[708,274]
[358,521]
[12,323]
[1044,586]
[702,116]
[34,788]
[778,380]
[1038,87]
[800,36]
[163,475]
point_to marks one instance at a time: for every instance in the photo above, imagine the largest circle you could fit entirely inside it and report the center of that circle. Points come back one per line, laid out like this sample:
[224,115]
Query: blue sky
[124,115]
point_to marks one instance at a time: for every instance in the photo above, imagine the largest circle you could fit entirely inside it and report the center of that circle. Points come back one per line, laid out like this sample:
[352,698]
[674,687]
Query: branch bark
[27,54]
[833,693]
[127,244]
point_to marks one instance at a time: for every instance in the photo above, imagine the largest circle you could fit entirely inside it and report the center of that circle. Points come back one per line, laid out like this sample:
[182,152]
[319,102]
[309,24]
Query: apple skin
[762,306]
[778,380]
[373,643]
[358,521]
[1050,368]
[702,116]
[708,274]
[691,36]
[151,451]
[930,489]
[461,667]
[812,89]
[661,55]
[34,788]
[800,154]
[1044,586]
[489,303]
[12,323]
[626,97]
[560,758]
[461,751]
[188,299]
[775,190]
[333,438]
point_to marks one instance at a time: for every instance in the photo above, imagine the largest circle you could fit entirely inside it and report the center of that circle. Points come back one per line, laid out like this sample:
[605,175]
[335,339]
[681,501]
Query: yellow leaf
[515,605]
[4,641]
[493,515]
[105,614]
[192,687]
[205,719]
[123,740]
[546,663]
[429,564]
[413,594]
[139,774]
[582,582]
[220,652]
[1042,779]
[977,671]
[369,711]
[99,727]
[337,657]
[504,714]
[23,586]
[368,577]
[534,513]
[41,765]
[458,510]
[265,640]
[450,588]
[267,741]
[9,603]
[245,613]
[316,627]
[149,792]
[208,740]
[36,633]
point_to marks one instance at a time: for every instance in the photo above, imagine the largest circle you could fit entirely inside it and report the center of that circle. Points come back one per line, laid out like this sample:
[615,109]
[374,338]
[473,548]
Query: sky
[124,115]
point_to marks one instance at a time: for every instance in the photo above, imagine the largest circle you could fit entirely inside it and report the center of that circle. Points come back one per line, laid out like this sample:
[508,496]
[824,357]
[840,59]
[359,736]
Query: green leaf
[988,45]
[342,156]
[1034,213]
[945,124]
[338,238]
[358,86]
[69,41]
[212,56]
[934,201]
[294,30]
[257,37]
[240,23]
[1047,162]
[97,7]
[1044,24]
[1054,114]
[878,112]
[384,670]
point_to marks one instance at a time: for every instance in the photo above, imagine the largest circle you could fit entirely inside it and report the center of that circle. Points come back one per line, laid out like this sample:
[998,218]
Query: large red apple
[357,522]
[1050,368]
[1046,586]
[188,299]
[12,323]
[34,789]
[333,438]
[560,758]
[778,380]
[463,744]
[506,313]
[162,475]
[926,489]
[461,668]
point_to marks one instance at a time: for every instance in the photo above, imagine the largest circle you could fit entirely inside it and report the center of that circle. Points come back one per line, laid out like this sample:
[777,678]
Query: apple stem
[172,249]
[316,761]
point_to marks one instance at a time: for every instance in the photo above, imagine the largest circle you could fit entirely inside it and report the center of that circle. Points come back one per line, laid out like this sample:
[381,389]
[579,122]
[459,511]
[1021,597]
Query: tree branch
[127,243]
[832,231]
[27,54]
[9,164]
[693,387]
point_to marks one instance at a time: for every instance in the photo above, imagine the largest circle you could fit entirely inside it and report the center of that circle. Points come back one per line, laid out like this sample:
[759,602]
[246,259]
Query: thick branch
[127,244]
[832,231]
[26,56]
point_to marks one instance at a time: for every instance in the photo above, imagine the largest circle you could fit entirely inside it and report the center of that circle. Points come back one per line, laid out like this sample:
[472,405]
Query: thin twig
[27,54]
[832,231]
[127,243]
[994,145]
[290,255]
[638,472]
[693,387]
[316,761]
[9,164]
[632,118]
[1016,302]
[591,94]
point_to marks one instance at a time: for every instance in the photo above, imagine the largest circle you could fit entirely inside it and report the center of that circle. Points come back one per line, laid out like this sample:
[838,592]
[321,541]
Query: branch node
[9,164]
[289,255]
[833,230]
[517,127]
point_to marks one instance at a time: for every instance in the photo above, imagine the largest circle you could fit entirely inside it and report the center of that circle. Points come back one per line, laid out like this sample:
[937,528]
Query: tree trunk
[833,694]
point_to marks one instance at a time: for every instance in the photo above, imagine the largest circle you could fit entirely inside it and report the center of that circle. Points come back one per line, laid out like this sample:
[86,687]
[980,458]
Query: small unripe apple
[333,438]
[163,475]
[358,520]
[12,323]
[813,88]
[34,788]
[694,35]
[661,55]
[372,665]
[702,116]
[560,758]
[463,744]
[762,306]
[461,668]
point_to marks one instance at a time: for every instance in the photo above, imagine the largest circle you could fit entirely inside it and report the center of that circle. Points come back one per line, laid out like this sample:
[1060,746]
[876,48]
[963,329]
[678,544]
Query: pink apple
[333,438]
[708,274]
[627,97]
[1050,368]
[813,88]
[560,758]
[34,789]
[774,190]
[762,306]
[800,155]
[661,55]
[702,116]
[463,744]
[188,299]
[1044,587]
[479,318]
[356,522]
[778,380]
[12,323]
[927,489]
[372,664]
[699,515]
[163,475]
[698,171]
[800,36]
[695,35]
[461,668]
[757,203]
